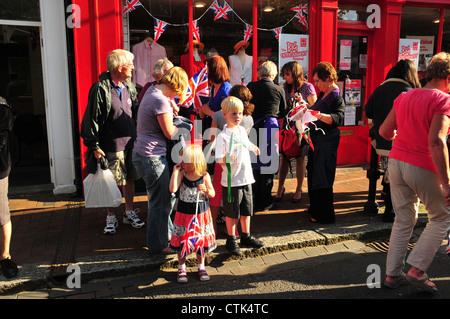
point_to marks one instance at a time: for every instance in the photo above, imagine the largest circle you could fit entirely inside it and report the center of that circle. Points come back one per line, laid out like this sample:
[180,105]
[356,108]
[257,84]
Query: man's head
[120,62]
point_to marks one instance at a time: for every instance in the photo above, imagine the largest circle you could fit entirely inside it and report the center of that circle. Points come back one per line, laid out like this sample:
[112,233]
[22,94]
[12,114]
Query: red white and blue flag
[131,5]
[192,240]
[220,10]
[196,30]
[248,30]
[160,27]
[302,13]
[276,32]
[198,90]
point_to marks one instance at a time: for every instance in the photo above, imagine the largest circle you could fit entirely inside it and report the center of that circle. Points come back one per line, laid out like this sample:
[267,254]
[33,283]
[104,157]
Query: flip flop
[421,283]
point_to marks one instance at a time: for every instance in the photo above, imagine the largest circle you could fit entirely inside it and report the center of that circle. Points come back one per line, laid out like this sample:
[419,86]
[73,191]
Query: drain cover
[383,246]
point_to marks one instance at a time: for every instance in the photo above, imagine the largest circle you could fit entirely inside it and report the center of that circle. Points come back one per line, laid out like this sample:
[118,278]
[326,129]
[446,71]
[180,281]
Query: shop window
[218,35]
[291,24]
[27,10]
[446,34]
[348,12]
[421,24]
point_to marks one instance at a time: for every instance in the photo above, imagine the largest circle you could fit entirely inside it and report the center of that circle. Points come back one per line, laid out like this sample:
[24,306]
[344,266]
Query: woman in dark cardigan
[325,135]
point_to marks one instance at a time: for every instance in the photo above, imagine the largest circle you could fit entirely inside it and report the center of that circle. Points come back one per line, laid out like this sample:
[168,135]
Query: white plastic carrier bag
[101,190]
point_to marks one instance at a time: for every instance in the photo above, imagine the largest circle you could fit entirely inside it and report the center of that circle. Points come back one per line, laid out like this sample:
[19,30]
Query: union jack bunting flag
[276,32]
[302,13]
[220,11]
[303,9]
[248,30]
[131,5]
[192,240]
[196,30]
[160,27]
[198,90]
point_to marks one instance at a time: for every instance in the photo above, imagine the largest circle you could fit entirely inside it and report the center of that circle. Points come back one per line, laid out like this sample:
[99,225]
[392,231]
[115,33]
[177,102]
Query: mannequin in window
[241,64]
[199,59]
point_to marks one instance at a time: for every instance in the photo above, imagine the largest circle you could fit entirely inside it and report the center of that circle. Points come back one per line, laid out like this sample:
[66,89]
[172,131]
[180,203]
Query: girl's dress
[186,211]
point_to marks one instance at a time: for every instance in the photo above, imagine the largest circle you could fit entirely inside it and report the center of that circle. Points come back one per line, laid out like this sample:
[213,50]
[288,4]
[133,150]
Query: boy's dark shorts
[241,201]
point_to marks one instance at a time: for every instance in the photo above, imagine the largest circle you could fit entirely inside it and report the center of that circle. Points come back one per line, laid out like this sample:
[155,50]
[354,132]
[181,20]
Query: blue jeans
[155,173]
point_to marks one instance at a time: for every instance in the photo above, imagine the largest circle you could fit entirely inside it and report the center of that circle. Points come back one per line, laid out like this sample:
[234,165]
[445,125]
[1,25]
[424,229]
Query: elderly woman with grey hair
[161,67]
[270,104]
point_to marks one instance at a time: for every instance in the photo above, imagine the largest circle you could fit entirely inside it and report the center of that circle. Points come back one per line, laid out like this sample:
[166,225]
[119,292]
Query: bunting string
[221,12]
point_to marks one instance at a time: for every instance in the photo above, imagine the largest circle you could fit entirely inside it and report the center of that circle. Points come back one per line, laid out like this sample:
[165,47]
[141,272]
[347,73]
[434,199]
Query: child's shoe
[182,276]
[232,246]
[203,275]
[250,241]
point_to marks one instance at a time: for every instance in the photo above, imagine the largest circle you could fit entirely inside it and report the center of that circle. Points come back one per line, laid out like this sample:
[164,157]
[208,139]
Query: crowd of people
[133,131]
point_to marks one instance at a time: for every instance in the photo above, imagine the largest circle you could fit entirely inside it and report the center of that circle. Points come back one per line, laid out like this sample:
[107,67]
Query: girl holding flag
[193,227]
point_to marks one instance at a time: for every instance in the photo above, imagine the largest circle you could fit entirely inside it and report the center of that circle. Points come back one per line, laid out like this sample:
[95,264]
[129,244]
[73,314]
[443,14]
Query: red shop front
[360,38]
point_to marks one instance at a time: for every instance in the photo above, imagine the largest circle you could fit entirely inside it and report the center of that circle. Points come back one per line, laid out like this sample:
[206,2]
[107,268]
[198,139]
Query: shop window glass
[348,12]
[220,35]
[422,24]
[27,10]
[281,16]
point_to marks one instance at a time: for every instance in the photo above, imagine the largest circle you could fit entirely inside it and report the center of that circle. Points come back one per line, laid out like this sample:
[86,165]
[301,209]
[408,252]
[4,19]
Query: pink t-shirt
[413,113]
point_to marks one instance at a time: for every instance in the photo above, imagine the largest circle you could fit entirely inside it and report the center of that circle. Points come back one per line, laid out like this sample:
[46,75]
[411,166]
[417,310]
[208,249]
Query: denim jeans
[155,173]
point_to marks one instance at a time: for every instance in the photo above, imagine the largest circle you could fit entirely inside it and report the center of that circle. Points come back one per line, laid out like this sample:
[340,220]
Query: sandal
[182,276]
[421,283]
[400,281]
[203,275]
[279,199]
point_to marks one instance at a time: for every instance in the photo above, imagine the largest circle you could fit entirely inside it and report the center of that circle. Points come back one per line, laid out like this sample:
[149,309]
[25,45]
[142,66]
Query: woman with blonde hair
[154,130]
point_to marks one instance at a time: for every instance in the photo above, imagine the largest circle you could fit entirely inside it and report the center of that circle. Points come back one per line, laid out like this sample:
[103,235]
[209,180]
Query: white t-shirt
[241,167]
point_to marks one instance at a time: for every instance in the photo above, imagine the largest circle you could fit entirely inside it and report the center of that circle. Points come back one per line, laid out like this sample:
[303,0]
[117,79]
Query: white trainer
[111,225]
[131,218]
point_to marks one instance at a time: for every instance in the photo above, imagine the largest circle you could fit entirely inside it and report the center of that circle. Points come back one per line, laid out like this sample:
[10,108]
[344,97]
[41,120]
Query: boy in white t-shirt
[232,152]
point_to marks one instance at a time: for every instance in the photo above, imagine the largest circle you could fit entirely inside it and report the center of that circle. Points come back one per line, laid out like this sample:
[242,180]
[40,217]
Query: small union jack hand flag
[131,5]
[198,90]
[221,10]
[192,240]
[160,27]
[248,30]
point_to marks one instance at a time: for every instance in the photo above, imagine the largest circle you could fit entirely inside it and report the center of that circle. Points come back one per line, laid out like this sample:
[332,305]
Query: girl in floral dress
[191,177]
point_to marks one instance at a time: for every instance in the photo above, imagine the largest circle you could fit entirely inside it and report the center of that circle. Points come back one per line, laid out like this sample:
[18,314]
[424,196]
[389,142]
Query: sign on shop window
[426,51]
[409,49]
[293,47]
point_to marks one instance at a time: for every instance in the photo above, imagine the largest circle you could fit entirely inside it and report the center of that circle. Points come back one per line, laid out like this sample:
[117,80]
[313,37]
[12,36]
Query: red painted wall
[101,31]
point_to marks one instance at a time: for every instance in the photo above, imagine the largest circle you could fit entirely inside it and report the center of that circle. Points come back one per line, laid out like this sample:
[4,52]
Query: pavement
[51,232]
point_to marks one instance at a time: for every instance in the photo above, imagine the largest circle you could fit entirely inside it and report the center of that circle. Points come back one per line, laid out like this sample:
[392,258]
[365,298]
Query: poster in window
[409,49]
[426,51]
[293,47]
[345,60]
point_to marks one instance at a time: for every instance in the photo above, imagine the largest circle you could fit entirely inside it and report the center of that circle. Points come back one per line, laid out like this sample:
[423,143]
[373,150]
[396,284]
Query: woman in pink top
[419,170]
